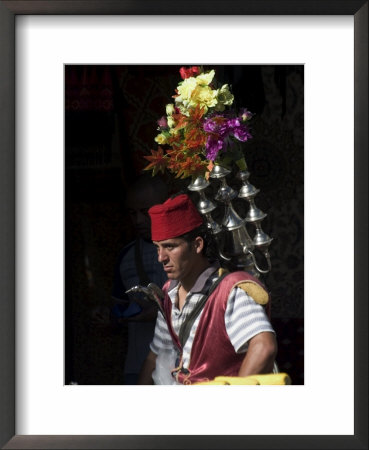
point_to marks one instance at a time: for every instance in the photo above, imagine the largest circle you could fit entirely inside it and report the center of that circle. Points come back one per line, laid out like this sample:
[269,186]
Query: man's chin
[170,276]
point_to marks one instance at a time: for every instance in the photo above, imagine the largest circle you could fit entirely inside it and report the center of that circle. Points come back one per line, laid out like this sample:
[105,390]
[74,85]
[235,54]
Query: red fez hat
[174,217]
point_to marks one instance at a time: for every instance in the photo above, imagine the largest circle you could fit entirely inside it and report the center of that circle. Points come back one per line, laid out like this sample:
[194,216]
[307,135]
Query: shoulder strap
[186,326]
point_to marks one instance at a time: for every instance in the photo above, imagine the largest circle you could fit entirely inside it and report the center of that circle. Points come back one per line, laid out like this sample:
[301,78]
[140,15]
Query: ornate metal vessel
[235,247]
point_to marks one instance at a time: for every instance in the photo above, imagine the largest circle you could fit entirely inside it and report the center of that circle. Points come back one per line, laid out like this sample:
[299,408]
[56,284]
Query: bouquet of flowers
[199,128]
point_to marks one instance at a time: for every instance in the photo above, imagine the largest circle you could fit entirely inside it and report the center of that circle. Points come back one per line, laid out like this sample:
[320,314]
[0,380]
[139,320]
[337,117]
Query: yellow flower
[161,139]
[170,121]
[204,96]
[196,91]
[169,109]
[204,79]
[173,132]
[185,89]
[183,109]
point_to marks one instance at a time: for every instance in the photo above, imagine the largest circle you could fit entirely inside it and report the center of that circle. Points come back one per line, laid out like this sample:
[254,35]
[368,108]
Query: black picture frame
[8,11]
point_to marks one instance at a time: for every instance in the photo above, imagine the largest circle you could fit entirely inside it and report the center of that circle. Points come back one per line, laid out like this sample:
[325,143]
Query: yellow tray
[267,379]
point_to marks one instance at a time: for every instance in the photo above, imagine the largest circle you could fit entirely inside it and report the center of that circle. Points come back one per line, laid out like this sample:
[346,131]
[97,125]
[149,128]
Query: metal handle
[151,292]
[223,256]
[267,257]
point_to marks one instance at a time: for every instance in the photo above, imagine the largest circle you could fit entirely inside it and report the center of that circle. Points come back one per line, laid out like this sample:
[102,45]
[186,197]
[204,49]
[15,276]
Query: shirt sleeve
[162,339]
[244,319]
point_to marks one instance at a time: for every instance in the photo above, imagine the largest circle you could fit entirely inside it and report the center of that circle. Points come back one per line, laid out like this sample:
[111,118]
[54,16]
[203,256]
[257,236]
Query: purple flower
[241,133]
[217,125]
[213,146]
[220,129]
[162,122]
[209,126]
[233,123]
[224,130]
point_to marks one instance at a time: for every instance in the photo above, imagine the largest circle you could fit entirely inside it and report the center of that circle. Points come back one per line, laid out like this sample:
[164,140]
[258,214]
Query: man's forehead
[169,241]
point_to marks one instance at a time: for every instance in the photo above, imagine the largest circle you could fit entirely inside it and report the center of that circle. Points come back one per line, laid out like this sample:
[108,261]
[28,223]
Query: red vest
[212,352]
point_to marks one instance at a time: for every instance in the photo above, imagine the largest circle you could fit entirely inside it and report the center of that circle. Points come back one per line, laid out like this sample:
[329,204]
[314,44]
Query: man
[229,334]
[136,264]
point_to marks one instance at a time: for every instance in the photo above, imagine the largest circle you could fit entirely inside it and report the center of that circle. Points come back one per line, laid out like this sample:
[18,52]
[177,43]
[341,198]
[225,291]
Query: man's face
[177,256]
[138,204]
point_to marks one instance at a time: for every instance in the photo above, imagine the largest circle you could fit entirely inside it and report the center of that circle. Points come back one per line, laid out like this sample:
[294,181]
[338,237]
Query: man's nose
[162,255]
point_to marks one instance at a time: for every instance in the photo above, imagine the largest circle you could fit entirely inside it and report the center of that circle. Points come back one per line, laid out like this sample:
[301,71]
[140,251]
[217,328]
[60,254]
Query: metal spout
[219,172]
[232,220]
[205,205]
[261,240]
[198,184]
[254,214]
[225,194]
[247,190]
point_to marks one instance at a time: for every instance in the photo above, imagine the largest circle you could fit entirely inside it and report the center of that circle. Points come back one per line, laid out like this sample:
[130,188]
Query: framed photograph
[110,129]
[314,53]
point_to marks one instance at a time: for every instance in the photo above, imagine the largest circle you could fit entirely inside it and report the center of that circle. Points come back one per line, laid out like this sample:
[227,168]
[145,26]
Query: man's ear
[199,244]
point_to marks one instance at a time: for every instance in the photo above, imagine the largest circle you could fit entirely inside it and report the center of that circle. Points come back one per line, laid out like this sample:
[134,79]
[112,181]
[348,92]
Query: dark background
[110,124]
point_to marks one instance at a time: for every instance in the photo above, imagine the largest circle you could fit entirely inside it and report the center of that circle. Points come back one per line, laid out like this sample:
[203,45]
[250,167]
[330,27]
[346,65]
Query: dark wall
[110,123]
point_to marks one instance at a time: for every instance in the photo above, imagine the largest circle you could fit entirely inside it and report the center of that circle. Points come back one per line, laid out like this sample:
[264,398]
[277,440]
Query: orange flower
[158,161]
[191,167]
[195,138]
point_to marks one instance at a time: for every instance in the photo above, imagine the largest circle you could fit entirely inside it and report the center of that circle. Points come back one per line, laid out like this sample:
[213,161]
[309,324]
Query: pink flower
[162,122]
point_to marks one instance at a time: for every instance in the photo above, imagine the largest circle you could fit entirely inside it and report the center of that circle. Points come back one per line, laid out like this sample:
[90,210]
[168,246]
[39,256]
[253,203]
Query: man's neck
[188,282]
